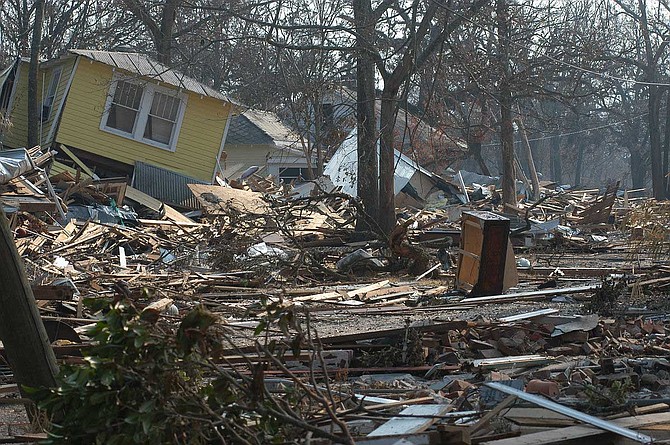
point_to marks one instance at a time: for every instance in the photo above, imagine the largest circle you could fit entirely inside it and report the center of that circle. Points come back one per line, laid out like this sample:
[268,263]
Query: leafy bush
[151,384]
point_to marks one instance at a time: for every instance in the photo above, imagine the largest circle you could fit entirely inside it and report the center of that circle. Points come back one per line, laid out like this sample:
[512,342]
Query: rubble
[582,333]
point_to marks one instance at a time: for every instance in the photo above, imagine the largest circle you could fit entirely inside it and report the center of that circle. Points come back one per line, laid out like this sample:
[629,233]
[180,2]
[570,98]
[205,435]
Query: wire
[586,130]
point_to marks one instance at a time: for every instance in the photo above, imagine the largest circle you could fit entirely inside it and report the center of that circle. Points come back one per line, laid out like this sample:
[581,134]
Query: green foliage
[141,383]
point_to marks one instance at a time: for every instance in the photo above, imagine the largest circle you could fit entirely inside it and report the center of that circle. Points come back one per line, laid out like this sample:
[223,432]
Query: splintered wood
[586,323]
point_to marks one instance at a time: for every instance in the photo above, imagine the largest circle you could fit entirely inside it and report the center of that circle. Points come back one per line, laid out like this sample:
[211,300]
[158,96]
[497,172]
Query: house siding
[242,156]
[17,136]
[66,71]
[199,137]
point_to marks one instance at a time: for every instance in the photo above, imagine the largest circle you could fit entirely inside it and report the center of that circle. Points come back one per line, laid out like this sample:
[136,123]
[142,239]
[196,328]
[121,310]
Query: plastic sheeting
[14,163]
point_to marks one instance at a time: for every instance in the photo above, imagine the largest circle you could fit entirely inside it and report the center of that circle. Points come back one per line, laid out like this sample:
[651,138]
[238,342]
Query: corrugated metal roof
[144,66]
[165,185]
[260,127]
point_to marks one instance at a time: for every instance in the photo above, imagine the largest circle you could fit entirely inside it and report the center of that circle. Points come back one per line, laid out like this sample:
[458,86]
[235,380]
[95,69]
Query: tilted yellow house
[120,113]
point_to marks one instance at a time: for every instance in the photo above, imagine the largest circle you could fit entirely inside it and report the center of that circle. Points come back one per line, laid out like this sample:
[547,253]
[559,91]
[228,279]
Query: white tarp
[14,163]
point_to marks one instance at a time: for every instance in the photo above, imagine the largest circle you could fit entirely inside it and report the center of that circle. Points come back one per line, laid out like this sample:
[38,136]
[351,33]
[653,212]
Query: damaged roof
[145,66]
[260,127]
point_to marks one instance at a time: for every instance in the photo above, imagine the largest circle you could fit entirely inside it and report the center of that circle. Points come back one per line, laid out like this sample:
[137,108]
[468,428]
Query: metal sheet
[572,413]
[165,185]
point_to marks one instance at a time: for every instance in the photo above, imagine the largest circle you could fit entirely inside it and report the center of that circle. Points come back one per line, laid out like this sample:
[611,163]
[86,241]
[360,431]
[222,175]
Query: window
[162,118]
[125,106]
[144,112]
[48,102]
[288,174]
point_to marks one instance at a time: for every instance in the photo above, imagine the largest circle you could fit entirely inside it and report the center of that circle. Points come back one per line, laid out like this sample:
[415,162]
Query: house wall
[242,156]
[18,134]
[199,137]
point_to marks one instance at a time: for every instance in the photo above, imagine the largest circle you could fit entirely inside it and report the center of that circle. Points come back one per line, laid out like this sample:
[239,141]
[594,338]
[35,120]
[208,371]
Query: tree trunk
[657,177]
[21,329]
[475,150]
[368,170]
[531,163]
[555,160]
[163,39]
[666,145]
[506,127]
[638,169]
[387,161]
[578,165]
[34,115]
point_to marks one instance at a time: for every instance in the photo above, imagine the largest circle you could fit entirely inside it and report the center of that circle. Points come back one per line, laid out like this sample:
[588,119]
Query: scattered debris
[576,322]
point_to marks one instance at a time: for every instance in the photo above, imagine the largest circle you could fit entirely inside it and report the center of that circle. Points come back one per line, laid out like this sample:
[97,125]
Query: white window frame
[53,88]
[143,113]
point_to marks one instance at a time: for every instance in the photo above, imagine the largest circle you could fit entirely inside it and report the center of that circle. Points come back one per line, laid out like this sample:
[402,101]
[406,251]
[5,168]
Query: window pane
[128,94]
[165,106]
[159,130]
[121,118]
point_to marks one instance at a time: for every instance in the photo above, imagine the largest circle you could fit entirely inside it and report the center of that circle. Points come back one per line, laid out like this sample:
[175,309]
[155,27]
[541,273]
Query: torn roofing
[144,66]
[260,127]
[343,167]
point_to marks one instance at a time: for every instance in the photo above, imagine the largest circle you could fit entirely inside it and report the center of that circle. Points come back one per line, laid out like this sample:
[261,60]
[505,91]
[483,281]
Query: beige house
[259,138]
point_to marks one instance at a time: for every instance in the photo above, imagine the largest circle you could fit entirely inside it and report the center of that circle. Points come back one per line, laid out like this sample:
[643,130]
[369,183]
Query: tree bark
[506,127]
[368,170]
[578,165]
[162,30]
[34,115]
[475,150]
[387,160]
[666,144]
[25,340]
[555,160]
[657,177]
[638,169]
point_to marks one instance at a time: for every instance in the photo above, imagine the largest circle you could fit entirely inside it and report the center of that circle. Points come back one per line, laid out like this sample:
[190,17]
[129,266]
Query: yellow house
[122,114]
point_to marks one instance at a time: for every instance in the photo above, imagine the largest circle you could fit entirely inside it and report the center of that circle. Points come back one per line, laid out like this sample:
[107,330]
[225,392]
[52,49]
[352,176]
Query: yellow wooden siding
[66,71]
[240,157]
[199,138]
[17,135]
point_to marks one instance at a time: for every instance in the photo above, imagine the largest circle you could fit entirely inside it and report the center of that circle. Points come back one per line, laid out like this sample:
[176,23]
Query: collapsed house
[124,115]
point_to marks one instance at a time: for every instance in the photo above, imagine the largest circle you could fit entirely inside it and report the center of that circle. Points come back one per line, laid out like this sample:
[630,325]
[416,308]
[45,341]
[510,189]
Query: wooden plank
[362,291]
[582,431]
[408,425]
[505,298]
[155,205]
[77,161]
[49,292]
[491,414]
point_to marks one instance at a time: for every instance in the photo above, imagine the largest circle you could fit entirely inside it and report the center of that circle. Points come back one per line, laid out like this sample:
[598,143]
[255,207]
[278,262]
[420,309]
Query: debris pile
[472,323]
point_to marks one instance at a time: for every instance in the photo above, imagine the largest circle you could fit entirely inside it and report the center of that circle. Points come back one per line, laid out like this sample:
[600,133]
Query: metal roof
[144,66]
[343,167]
